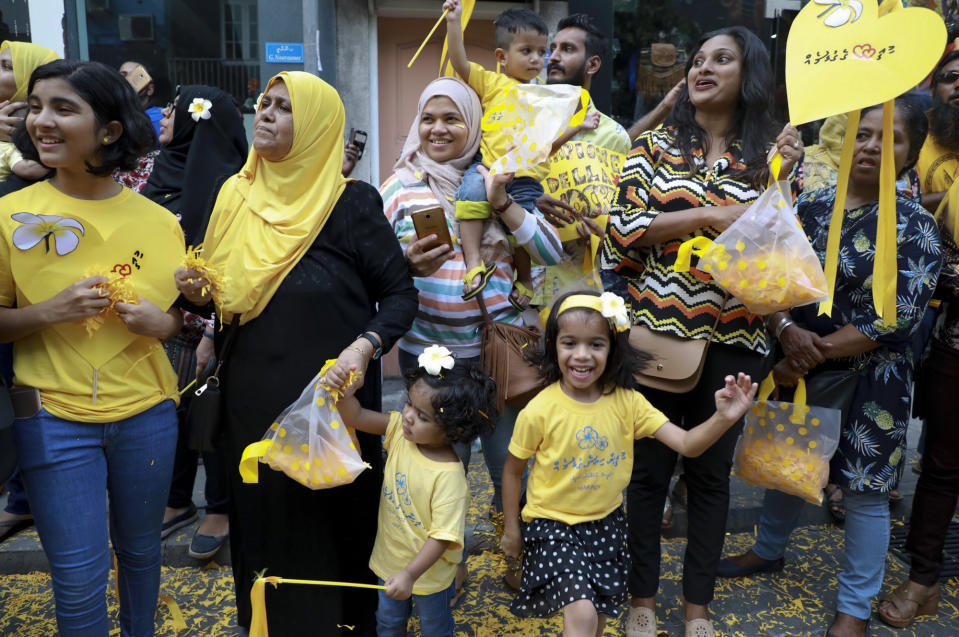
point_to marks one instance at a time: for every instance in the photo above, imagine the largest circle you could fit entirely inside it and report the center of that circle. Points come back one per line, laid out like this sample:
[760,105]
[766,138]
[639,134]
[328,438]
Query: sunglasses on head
[947,78]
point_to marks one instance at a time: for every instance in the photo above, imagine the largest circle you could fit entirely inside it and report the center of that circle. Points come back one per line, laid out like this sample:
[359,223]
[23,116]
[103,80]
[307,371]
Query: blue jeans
[867,540]
[17,502]
[68,469]
[524,190]
[436,618]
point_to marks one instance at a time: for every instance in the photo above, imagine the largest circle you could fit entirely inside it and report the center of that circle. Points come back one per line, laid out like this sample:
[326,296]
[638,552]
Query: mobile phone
[139,78]
[26,401]
[358,138]
[432,221]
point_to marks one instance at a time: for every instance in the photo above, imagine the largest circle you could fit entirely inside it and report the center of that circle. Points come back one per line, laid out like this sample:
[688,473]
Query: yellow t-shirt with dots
[421,498]
[583,451]
[492,89]
[9,157]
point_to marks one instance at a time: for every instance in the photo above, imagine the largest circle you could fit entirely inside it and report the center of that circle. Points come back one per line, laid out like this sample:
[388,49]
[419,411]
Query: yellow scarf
[26,58]
[267,216]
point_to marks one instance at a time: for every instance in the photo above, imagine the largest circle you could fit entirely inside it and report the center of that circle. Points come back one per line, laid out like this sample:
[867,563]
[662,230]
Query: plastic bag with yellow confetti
[532,117]
[763,258]
[308,442]
[787,446]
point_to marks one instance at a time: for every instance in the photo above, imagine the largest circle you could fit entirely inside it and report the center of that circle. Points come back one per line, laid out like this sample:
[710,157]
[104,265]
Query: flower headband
[435,359]
[610,305]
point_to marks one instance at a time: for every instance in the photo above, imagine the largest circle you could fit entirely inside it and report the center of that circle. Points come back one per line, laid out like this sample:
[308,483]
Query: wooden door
[400,87]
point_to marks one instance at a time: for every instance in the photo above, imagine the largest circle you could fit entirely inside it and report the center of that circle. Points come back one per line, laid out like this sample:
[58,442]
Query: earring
[106,140]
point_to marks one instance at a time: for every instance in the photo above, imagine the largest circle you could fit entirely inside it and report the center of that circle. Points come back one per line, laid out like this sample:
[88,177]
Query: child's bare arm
[454,39]
[732,401]
[512,541]
[590,122]
[30,170]
[399,585]
[354,415]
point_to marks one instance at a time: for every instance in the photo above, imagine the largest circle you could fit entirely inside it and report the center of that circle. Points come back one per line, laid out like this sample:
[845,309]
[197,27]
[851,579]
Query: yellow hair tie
[610,305]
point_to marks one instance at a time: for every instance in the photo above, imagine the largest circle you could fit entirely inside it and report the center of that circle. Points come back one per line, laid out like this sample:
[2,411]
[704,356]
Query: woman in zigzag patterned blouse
[704,169]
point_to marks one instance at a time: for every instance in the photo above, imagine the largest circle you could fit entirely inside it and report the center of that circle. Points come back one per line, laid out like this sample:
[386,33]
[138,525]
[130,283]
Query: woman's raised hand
[191,284]
[78,301]
[427,255]
[789,144]
[734,399]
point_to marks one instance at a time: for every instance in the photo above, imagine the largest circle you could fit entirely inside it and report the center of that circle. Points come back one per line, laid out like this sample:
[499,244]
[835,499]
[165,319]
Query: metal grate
[950,552]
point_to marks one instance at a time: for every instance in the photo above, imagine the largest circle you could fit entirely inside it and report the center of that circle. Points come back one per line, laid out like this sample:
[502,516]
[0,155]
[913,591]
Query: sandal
[641,622]
[482,270]
[462,574]
[520,291]
[700,628]
[835,506]
[909,604]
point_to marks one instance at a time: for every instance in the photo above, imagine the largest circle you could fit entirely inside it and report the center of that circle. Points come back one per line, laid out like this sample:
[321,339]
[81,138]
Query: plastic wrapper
[763,258]
[309,442]
[787,446]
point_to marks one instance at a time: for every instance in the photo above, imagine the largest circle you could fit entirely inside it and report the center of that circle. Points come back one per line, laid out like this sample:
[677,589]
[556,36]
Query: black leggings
[707,479]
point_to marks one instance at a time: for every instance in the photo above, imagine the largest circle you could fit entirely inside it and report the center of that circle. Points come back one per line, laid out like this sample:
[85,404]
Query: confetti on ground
[797,602]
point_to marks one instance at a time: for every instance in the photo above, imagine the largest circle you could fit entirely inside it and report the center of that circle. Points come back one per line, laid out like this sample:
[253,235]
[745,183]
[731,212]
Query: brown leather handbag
[677,363]
[503,359]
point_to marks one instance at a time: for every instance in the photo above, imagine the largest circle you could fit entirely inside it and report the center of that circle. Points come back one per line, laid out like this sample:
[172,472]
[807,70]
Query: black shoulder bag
[204,413]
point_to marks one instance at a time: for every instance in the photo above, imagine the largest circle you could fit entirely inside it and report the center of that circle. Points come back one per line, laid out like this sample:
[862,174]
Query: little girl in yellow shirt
[580,431]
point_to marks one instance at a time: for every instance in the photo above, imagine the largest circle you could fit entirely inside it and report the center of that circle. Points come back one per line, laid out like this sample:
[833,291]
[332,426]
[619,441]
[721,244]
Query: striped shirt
[657,179]
[444,318]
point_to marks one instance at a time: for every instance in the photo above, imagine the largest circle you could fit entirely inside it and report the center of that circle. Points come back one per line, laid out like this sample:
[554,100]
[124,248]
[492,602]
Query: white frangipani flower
[435,359]
[199,109]
[839,12]
[37,228]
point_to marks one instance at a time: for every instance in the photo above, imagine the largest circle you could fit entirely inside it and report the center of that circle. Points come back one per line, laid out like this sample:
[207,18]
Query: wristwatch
[377,348]
[509,202]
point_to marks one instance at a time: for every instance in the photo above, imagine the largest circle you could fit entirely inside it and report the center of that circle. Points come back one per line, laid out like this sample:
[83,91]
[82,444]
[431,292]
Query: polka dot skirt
[563,564]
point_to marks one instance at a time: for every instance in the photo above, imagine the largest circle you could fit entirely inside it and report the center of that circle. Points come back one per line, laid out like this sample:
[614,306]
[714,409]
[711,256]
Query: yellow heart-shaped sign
[842,56]
[62,249]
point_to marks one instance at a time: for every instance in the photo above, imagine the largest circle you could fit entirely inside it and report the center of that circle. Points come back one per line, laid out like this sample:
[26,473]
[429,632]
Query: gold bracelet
[357,350]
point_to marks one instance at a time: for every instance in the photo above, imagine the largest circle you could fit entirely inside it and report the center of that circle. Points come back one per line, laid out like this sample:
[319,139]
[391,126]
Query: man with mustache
[939,159]
[575,56]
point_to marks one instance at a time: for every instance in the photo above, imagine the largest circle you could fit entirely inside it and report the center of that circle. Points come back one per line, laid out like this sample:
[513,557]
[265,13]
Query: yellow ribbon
[799,397]
[250,460]
[258,623]
[697,245]
[838,209]
[178,622]
[885,270]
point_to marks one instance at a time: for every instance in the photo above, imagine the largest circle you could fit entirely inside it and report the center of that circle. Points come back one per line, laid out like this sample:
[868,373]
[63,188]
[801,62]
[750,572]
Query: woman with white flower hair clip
[580,431]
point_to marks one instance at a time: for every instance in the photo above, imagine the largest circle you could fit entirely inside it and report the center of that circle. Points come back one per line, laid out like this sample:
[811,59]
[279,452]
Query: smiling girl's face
[63,126]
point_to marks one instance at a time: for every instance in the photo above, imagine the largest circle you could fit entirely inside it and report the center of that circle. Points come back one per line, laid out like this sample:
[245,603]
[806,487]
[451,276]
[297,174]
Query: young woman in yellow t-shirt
[581,430]
[99,419]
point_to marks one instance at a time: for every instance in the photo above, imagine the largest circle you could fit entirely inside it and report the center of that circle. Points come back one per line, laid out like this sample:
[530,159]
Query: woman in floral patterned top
[872,442]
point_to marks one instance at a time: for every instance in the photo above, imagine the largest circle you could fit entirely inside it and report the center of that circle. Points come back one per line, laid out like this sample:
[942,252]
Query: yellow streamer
[258,623]
[697,245]
[838,209]
[250,460]
[884,271]
[428,36]
[178,622]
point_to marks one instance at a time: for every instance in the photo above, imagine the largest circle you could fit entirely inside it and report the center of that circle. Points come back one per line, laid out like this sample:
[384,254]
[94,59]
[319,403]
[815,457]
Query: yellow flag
[446,67]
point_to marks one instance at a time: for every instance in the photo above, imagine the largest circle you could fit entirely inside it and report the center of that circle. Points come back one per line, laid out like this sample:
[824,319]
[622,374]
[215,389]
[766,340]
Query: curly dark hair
[623,361]
[112,99]
[754,125]
[464,399]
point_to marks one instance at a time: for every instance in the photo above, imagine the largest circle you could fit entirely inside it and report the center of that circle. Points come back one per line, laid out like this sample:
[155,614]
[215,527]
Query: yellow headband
[611,306]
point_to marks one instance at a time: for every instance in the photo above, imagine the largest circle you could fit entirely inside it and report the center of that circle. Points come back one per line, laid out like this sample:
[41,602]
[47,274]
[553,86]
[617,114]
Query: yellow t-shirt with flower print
[583,451]
[420,499]
[48,241]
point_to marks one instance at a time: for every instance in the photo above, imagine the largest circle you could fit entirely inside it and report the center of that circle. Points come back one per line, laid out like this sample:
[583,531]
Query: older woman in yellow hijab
[18,60]
[312,272]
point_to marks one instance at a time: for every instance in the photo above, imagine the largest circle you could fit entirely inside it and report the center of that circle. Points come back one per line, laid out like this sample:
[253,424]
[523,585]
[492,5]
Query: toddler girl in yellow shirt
[580,431]
[422,515]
